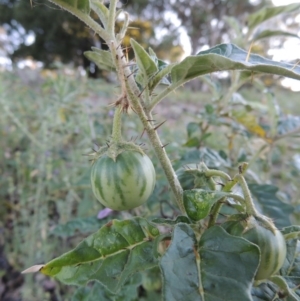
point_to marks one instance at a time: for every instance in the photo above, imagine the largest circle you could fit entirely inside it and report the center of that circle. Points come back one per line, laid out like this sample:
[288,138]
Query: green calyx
[201,179]
[114,149]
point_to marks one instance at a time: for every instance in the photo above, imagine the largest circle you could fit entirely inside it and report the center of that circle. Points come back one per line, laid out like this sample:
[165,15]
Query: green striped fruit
[125,182]
[262,232]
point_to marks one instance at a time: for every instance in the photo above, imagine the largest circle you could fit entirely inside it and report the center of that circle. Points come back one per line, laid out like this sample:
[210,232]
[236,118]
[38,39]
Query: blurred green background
[53,114]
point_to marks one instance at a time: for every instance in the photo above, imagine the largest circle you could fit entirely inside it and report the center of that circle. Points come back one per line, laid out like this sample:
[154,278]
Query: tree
[59,35]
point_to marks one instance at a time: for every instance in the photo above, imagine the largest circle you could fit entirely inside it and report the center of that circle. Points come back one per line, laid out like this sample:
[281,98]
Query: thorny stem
[131,91]
[157,145]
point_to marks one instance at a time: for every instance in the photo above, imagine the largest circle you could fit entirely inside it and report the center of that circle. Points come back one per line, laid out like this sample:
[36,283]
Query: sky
[290,50]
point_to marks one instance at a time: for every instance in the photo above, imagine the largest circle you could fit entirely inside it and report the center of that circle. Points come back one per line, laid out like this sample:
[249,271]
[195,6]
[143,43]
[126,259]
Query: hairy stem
[117,124]
[250,208]
[131,92]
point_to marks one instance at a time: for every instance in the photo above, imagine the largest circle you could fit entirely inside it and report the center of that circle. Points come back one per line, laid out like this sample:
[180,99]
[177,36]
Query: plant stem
[117,124]
[250,208]
[158,148]
[227,188]
[217,173]
[215,212]
[131,92]
[163,94]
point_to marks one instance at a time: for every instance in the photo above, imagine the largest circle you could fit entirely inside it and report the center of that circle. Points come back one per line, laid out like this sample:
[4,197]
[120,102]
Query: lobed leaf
[220,268]
[110,256]
[271,205]
[129,291]
[228,57]
[101,58]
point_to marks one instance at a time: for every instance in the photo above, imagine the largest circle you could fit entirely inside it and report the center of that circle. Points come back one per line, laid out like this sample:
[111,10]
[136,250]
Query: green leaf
[284,287]
[228,265]
[272,33]
[160,77]
[81,5]
[292,232]
[101,58]
[193,129]
[147,67]
[224,270]
[264,292]
[267,13]
[209,156]
[271,205]
[192,142]
[228,57]
[129,291]
[82,225]
[179,267]
[249,121]
[198,202]
[101,10]
[291,267]
[171,222]
[110,256]
[288,124]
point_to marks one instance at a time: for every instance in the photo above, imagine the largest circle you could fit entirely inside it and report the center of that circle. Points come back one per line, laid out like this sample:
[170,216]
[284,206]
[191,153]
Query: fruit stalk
[250,208]
[227,188]
[117,124]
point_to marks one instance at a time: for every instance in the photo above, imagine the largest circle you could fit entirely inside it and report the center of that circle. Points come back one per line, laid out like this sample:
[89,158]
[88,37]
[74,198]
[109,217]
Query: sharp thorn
[159,125]
[130,74]
[142,133]
[142,91]
[165,145]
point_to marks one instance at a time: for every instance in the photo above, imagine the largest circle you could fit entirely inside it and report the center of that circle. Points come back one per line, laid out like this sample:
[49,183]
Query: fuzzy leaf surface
[147,66]
[110,255]
[267,13]
[81,5]
[222,267]
[228,57]
[101,58]
[273,33]
[271,205]
[198,202]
